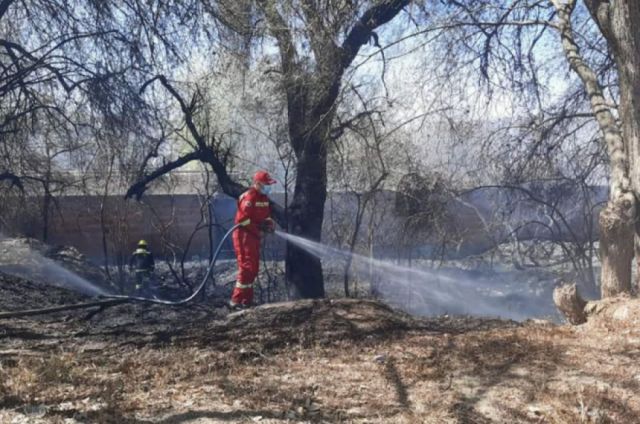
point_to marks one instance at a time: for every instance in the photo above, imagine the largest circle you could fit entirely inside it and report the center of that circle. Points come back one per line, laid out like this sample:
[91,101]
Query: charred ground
[310,361]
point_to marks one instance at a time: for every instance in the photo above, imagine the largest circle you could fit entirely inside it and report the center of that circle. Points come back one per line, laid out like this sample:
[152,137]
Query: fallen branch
[32,312]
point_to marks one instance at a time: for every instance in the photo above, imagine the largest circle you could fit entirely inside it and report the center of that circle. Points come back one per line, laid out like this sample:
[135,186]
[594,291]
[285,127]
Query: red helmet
[263,177]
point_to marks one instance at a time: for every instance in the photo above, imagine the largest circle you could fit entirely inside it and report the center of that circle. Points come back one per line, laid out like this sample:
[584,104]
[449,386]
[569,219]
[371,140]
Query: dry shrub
[590,405]
[20,384]
[56,369]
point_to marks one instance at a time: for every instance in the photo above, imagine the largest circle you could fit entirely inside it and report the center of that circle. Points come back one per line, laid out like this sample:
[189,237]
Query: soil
[341,360]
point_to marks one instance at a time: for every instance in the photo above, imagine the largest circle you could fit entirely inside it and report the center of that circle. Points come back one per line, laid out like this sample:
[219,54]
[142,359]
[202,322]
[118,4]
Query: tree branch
[187,110]
[619,184]
[281,32]
[322,44]
[14,179]
[140,187]
[4,5]
[362,31]
[599,11]
[204,153]
[338,131]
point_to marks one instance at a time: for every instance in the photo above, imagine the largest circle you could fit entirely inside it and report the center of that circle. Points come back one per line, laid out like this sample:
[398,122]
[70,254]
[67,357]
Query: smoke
[435,292]
[19,259]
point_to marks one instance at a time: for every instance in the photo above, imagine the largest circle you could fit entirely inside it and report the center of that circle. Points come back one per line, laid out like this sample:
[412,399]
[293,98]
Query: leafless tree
[500,41]
[317,43]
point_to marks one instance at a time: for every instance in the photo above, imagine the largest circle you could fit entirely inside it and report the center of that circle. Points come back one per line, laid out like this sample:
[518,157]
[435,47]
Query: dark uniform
[142,264]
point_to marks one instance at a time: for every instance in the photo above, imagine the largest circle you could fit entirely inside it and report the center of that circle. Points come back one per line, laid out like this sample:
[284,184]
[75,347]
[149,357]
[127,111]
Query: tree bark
[46,206]
[305,217]
[636,245]
[616,249]
[4,5]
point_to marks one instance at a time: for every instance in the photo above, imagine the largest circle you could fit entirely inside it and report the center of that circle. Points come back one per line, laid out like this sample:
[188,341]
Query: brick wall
[166,222]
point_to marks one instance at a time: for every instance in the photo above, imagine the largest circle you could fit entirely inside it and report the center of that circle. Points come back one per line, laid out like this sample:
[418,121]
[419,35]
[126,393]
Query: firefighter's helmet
[263,177]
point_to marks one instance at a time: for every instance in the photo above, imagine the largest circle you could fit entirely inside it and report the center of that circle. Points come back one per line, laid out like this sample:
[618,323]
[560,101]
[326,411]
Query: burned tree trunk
[570,304]
[306,214]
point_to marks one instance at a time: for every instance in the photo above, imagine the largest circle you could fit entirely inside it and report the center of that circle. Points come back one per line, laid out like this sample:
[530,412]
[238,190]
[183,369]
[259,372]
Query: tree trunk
[46,205]
[616,249]
[617,219]
[352,243]
[103,223]
[569,303]
[306,214]
[625,40]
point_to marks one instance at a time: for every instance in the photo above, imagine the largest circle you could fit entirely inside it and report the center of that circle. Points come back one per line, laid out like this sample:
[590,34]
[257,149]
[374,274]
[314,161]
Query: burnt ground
[310,361]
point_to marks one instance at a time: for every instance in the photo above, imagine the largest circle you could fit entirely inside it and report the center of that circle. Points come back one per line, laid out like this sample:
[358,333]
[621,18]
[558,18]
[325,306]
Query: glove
[268,226]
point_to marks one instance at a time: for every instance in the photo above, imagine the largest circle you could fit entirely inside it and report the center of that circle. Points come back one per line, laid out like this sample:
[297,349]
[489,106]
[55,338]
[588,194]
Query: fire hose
[195,292]
[111,300]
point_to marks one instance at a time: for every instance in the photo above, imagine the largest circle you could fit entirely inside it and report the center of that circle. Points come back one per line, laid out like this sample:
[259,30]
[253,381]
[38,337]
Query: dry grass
[429,373]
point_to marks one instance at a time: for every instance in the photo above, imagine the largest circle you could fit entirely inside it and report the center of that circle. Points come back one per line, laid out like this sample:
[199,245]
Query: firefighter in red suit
[254,213]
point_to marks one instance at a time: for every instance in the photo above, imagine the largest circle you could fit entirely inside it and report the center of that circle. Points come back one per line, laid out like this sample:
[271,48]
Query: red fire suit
[254,206]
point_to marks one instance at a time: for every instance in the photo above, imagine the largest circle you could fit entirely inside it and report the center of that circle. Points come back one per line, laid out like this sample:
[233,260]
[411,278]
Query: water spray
[437,291]
[36,266]
[110,300]
[427,291]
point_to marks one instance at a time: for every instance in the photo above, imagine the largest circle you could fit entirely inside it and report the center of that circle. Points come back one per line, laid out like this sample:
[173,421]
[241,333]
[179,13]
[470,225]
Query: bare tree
[62,82]
[500,41]
[311,68]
